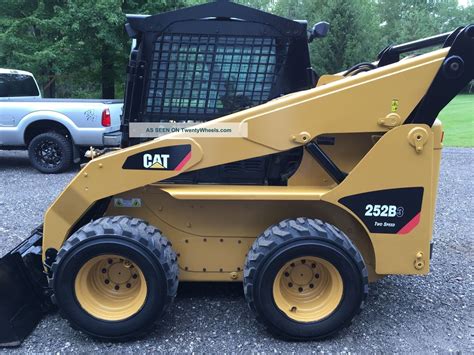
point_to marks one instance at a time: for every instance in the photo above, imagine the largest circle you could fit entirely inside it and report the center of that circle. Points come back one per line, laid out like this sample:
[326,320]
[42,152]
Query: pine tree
[353,36]
[79,44]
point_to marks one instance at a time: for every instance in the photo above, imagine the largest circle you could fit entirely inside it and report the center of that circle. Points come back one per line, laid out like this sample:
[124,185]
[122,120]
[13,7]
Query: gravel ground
[432,313]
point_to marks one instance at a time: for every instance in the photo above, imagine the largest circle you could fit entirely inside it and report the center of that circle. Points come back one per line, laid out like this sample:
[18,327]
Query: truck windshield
[15,85]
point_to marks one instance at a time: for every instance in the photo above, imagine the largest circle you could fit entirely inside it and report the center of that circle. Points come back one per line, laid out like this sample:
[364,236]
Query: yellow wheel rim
[110,287]
[308,289]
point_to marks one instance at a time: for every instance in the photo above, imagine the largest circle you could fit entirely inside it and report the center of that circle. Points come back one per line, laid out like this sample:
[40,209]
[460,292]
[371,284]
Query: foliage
[78,48]
[353,37]
[458,122]
[79,43]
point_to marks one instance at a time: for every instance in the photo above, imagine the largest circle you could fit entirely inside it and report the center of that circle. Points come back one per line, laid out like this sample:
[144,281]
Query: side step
[24,296]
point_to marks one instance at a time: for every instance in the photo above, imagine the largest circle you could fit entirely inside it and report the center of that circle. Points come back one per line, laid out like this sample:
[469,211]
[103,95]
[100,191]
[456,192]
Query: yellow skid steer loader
[332,185]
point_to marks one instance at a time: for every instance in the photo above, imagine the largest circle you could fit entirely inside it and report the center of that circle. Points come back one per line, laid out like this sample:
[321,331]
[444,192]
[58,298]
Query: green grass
[458,122]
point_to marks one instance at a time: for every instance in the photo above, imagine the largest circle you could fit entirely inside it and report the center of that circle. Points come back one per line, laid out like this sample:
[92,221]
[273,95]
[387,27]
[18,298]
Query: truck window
[15,85]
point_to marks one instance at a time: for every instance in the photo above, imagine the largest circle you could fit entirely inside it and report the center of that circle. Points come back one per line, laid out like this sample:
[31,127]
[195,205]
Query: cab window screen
[15,85]
[210,75]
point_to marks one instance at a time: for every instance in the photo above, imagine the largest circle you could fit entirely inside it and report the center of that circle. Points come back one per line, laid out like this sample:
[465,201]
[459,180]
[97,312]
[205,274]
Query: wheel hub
[300,275]
[308,289]
[119,272]
[48,153]
[110,287]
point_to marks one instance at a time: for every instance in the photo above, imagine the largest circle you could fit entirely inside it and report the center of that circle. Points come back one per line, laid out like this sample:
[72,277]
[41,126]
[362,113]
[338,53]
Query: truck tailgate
[115,116]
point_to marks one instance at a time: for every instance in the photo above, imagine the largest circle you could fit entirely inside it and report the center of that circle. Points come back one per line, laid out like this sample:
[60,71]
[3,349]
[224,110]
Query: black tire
[291,239]
[127,237]
[50,152]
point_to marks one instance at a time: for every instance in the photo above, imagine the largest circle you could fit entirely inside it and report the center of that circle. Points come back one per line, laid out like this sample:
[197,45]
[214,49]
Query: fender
[36,116]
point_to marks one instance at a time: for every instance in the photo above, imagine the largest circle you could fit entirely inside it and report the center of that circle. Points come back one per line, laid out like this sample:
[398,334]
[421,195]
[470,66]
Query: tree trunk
[52,87]
[108,79]
[49,89]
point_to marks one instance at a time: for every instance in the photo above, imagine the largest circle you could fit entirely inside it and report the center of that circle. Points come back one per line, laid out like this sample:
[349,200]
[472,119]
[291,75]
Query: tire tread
[137,230]
[67,152]
[286,231]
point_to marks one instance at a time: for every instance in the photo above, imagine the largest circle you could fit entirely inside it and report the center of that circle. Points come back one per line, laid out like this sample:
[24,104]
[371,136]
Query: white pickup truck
[56,132]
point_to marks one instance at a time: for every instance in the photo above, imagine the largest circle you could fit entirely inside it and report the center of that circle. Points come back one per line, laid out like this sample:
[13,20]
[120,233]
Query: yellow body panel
[216,234]
[225,192]
[364,113]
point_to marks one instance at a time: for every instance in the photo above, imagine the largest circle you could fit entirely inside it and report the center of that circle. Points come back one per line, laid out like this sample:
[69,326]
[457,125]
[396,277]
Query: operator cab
[200,63]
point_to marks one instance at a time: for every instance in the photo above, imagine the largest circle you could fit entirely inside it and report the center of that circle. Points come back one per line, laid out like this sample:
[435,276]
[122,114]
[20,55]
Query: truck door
[14,86]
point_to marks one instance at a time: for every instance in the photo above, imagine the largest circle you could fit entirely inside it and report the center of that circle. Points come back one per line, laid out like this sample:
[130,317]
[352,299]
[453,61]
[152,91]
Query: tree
[30,38]
[406,20]
[81,42]
[96,35]
[78,48]
[353,36]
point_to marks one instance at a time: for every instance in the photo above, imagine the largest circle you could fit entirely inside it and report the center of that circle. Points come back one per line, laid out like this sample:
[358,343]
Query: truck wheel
[50,152]
[114,277]
[305,279]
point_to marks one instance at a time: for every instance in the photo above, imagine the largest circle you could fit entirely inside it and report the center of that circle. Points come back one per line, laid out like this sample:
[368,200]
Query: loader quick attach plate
[23,285]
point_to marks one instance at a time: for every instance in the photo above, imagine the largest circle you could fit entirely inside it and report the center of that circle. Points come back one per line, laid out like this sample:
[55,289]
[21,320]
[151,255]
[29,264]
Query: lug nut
[300,289]
[311,285]
[303,261]
[104,271]
[107,282]
[317,276]
[290,284]
[292,264]
[110,261]
[135,276]
[129,285]
[117,287]
[287,274]
[313,266]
